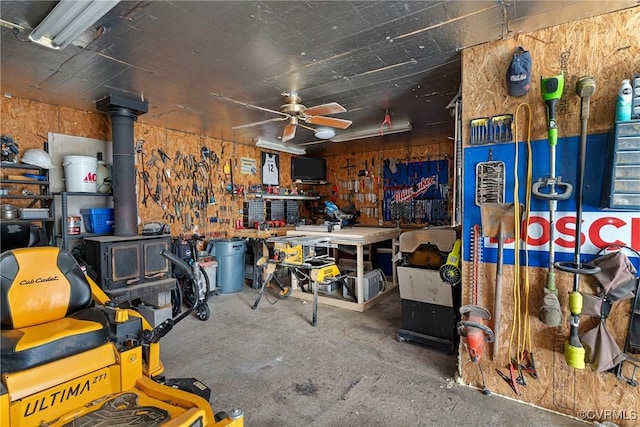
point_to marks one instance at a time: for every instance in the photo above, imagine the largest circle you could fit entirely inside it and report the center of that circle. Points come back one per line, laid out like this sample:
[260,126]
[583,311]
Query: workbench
[255,238]
[358,237]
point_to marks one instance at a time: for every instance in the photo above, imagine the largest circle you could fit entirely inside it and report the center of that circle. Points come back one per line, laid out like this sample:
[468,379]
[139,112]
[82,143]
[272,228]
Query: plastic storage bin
[98,220]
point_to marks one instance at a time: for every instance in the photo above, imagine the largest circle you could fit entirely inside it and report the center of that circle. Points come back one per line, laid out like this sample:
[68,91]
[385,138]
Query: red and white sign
[598,230]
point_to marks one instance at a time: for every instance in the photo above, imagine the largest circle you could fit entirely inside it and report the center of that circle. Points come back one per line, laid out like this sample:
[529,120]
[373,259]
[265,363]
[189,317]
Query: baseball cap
[519,73]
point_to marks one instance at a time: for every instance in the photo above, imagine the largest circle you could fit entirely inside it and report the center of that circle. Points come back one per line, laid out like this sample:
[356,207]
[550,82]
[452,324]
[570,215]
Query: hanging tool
[450,271]
[498,220]
[510,379]
[522,357]
[551,91]
[574,352]
[472,326]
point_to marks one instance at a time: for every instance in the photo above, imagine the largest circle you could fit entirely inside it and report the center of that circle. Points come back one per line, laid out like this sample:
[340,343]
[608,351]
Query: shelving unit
[64,204]
[41,198]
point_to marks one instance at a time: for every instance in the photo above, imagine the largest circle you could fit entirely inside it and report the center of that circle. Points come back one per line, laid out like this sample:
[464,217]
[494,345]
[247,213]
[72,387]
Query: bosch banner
[600,228]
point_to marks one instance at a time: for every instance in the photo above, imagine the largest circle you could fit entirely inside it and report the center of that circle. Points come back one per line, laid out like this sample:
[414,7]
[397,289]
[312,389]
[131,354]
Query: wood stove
[130,266]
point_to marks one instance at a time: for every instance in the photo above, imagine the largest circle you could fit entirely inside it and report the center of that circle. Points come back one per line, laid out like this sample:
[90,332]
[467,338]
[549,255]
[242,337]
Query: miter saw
[339,217]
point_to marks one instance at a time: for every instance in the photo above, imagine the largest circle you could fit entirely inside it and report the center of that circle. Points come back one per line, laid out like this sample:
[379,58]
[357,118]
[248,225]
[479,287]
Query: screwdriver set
[488,130]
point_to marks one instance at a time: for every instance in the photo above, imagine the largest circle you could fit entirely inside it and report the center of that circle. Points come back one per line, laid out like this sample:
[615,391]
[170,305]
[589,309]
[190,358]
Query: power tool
[450,271]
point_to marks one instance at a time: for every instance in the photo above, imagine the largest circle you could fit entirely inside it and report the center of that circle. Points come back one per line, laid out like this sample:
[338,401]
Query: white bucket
[80,173]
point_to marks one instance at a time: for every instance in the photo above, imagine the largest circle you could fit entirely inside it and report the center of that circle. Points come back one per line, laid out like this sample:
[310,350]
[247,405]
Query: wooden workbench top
[352,234]
[252,233]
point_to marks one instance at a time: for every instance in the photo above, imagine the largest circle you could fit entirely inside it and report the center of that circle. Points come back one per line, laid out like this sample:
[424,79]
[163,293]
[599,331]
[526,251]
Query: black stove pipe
[123,113]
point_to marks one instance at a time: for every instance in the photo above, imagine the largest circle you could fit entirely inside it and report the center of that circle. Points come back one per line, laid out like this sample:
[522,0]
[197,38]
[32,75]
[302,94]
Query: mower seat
[45,309]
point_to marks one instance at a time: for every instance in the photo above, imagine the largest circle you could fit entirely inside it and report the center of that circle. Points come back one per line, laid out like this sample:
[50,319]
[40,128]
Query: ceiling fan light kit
[325,133]
[371,132]
[68,20]
[261,143]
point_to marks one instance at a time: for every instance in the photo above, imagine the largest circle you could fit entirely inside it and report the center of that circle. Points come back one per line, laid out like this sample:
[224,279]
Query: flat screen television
[308,169]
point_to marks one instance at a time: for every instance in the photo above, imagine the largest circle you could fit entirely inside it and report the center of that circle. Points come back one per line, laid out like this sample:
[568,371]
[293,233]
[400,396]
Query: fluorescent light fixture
[68,20]
[280,147]
[371,132]
[325,133]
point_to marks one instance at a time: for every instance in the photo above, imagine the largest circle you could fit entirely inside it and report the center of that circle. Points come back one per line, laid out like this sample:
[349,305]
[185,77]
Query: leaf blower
[450,271]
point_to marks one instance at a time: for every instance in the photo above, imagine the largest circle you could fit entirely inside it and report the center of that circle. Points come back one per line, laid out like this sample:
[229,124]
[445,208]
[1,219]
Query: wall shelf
[283,197]
[64,235]
[43,198]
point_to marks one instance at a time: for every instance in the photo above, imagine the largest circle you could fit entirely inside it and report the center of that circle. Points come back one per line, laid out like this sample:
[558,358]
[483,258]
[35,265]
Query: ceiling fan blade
[328,121]
[253,107]
[289,132]
[324,109]
[277,119]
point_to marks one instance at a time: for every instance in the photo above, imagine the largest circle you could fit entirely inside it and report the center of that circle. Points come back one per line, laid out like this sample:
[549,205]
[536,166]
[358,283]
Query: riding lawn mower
[72,357]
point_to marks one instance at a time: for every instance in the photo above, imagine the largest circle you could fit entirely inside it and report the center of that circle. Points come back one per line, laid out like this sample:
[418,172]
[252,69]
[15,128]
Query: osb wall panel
[606,48]
[211,210]
[373,161]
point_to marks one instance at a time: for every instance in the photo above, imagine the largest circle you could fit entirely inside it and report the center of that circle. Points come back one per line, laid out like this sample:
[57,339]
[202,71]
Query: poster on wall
[248,166]
[270,168]
[416,192]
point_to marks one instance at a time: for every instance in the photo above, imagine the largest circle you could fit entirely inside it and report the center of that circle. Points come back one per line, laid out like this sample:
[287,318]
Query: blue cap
[519,73]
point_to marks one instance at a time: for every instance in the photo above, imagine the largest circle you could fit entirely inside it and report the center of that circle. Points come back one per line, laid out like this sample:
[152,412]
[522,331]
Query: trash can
[210,268]
[229,254]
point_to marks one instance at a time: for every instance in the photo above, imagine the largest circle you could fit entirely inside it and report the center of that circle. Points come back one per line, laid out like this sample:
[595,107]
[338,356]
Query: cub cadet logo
[63,395]
[39,280]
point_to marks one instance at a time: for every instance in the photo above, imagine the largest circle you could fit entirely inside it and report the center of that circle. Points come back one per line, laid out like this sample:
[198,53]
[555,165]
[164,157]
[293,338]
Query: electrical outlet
[380,222]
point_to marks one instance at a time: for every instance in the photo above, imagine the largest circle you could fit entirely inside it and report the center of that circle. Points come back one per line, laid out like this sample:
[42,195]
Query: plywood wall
[30,122]
[370,208]
[608,49]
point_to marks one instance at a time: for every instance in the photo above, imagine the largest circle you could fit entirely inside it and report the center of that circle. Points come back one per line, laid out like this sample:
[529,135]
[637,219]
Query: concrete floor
[348,371]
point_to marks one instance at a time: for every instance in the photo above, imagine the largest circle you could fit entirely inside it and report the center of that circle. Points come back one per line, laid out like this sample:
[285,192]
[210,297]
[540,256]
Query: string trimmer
[574,352]
[551,89]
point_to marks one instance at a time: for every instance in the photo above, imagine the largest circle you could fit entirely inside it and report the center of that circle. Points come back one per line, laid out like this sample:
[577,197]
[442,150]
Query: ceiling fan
[296,114]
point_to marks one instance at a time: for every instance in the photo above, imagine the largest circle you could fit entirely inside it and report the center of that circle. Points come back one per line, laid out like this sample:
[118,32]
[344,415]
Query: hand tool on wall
[574,352]
[552,189]
[498,221]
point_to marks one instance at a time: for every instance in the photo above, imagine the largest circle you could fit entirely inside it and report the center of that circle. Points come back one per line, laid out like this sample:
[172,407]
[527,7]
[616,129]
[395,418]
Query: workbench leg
[314,318]
[360,273]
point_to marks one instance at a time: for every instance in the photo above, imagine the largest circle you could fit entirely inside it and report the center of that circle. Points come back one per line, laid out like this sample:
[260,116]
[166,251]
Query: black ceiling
[370,56]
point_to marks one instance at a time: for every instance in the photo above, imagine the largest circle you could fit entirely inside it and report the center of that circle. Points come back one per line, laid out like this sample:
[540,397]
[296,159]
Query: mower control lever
[154,335]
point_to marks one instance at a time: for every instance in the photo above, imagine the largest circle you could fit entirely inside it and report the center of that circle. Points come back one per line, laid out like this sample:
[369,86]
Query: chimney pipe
[123,112]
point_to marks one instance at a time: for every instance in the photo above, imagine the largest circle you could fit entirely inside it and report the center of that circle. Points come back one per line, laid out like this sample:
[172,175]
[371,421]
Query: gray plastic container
[229,254]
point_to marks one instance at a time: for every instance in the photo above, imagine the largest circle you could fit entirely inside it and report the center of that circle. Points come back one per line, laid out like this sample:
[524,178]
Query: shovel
[498,221]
